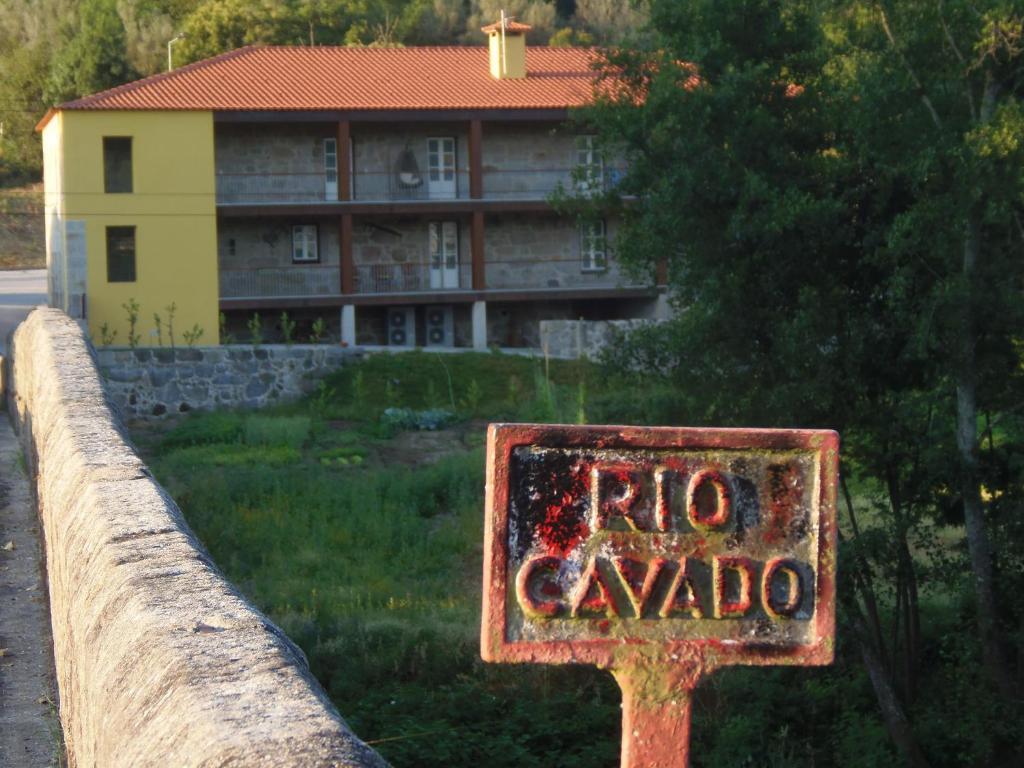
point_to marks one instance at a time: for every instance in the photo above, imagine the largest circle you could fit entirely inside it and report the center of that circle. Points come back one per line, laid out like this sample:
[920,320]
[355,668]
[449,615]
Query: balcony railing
[419,277]
[280,282]
[411,278]
[387,186]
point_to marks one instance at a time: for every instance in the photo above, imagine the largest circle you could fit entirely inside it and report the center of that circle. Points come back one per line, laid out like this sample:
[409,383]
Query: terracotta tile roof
[327,78]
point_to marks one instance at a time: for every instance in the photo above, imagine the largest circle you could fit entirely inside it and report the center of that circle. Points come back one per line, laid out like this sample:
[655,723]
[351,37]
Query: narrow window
[120,254]
[117,164]
[593,247]
[304,243]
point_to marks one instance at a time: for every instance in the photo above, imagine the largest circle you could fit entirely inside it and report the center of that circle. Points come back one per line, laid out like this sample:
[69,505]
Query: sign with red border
[658,549]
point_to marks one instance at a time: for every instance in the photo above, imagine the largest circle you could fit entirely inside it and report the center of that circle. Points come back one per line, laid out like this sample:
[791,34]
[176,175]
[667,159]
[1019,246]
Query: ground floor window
[120,254]
[593,247]
[304,243]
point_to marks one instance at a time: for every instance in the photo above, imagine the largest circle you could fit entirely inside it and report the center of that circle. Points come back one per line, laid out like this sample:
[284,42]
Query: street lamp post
[172,41]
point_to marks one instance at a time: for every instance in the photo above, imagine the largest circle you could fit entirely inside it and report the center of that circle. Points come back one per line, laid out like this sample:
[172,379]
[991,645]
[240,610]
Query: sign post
[659,554]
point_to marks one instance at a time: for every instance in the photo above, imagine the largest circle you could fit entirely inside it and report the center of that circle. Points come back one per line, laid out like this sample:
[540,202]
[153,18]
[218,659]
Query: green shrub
[292,431]
[196,457]
[204,429]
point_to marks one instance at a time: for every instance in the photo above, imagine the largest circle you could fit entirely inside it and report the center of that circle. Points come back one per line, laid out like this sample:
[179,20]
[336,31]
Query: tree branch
[959,57]
[949,35]
[910,70]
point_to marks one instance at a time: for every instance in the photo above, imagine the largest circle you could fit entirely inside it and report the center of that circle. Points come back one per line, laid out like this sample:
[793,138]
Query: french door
[441,167]
[444,254]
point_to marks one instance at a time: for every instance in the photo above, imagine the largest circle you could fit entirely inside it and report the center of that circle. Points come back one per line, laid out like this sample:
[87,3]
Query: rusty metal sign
[660,554]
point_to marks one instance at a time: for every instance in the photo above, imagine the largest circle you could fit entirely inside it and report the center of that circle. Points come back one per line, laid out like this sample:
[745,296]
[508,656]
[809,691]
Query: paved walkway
[29,729]
[20,291]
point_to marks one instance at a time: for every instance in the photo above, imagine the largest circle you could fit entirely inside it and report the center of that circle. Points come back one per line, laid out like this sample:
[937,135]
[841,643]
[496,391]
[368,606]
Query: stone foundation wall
[160,661]
[153,383]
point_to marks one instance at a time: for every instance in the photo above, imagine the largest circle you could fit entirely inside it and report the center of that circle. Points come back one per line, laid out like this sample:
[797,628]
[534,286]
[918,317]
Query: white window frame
[331,169]
[590,166]
[305,244]
[593,246]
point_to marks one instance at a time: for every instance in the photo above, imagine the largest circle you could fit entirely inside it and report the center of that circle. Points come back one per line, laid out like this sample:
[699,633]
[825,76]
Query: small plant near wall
[318,329]
[107,336]
[158,331]
[131,307]
[287,328]
[255,326]
[193,335]
[171,309]
[225,337]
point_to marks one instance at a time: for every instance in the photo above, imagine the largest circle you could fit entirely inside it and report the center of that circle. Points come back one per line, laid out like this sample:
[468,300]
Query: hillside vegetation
[22,233]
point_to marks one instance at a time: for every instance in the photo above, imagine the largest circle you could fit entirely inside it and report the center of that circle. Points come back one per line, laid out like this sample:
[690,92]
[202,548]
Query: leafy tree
[95,55]
[539,14]
[836,188]
[434,22]
[609,21]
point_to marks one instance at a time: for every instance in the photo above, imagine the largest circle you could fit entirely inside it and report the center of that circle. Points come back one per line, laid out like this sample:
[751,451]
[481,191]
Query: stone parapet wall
[148,383]
[160,661]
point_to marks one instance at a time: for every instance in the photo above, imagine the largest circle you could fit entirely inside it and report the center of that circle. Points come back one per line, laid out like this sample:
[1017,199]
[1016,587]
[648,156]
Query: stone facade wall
[268,148]
[270,163]
[148,383]
[583,338]
[535,251]
[160,661]
[268,242]
[526,160]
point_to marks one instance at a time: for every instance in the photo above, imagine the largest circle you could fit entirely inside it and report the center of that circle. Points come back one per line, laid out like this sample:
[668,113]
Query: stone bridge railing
[160,661]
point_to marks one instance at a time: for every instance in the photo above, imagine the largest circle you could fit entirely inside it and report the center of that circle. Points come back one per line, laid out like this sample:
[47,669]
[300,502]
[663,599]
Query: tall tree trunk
[978,543]
[896,722]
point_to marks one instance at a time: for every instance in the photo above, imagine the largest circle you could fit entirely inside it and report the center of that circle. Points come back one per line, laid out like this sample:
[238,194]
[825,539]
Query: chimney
[507,41]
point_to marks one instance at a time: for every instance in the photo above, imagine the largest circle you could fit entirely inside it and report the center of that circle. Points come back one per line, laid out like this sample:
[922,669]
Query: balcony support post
[476,167]
[476,248]
[344,161]
[348,271]
[348,325]
[480,326]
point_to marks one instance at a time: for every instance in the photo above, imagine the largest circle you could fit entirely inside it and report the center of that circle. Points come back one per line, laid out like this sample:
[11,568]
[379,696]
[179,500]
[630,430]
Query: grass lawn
[364,541]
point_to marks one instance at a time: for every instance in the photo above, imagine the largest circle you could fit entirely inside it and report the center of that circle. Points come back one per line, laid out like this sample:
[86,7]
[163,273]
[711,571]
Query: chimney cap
[511,27]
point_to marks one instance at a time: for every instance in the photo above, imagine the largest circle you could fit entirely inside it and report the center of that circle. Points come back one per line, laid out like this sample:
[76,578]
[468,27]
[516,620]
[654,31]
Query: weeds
[107,336]
[255,326]
[192,336]
[171,310]
[287,328]
[131,307]
[318,331]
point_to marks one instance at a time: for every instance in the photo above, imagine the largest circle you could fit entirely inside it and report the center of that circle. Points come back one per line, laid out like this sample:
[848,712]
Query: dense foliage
[55,50]
[837,188]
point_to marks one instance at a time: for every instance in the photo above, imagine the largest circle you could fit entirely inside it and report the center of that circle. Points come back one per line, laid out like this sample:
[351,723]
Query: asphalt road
[20,291]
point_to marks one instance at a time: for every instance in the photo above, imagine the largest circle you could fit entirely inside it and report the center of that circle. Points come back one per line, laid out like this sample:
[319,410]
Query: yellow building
[131,220]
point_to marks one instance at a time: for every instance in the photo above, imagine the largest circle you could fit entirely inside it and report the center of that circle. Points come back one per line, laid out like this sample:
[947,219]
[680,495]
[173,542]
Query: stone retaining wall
[160,661]
[148,383]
